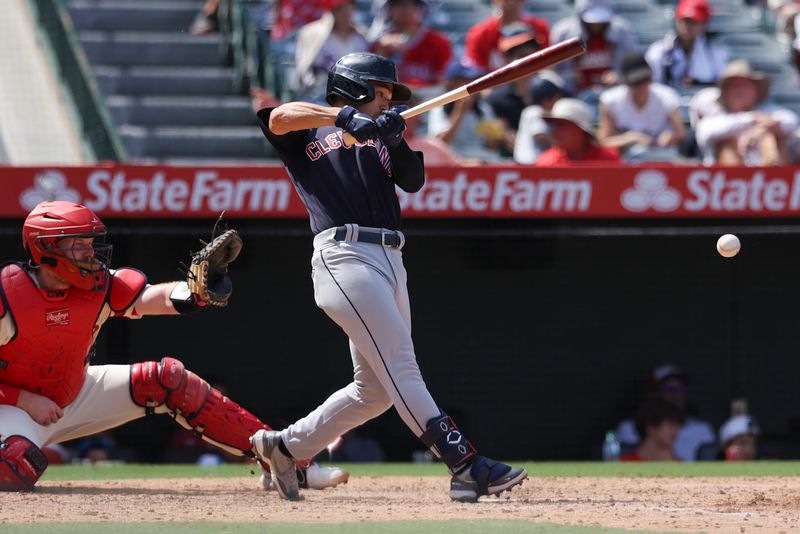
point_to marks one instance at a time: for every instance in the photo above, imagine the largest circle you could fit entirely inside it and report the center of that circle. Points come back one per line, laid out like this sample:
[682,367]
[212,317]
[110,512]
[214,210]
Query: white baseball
[728,245]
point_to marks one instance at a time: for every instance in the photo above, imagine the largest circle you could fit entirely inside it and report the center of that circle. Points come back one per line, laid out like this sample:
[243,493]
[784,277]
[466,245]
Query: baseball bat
[515,70]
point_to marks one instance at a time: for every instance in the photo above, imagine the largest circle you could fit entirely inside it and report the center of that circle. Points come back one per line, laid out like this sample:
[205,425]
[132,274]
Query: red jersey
[556,157]
[421,62]
[48,336]
[598,58]
[631,457]
[482,39]
[293,14]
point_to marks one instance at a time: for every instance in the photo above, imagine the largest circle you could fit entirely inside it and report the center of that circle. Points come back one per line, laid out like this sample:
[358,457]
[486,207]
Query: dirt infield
[763,504]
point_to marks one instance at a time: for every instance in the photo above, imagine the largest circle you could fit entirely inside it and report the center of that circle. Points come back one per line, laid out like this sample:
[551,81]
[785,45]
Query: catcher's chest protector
[49,353]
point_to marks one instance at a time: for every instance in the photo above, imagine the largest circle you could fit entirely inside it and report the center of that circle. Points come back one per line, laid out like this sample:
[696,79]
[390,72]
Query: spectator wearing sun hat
[533,135]
[739,438]
[686,57]
[481,46]
[741,127]
[608,38]
[574,137]
[696,439]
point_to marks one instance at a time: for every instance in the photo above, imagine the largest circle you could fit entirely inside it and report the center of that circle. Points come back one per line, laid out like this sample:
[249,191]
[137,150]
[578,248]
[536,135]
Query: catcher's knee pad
[194,404]
[444,438]
[21,464]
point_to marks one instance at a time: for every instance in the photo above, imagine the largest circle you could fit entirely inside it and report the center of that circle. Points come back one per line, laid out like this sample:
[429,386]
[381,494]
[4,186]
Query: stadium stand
[31,96]
[176,97]
[170,93]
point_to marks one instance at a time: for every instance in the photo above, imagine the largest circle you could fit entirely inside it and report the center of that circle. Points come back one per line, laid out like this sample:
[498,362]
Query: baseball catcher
[52,308]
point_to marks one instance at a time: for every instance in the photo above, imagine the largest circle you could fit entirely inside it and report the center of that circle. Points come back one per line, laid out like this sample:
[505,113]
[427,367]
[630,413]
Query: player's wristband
[184,301]
[9,394]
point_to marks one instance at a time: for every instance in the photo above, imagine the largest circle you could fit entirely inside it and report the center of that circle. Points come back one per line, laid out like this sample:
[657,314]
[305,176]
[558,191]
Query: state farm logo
[57,317]
[651,190]
[48,185]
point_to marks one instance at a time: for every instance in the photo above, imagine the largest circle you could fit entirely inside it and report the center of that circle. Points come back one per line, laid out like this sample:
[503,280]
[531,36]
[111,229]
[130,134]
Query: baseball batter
[358,274]
[51,310]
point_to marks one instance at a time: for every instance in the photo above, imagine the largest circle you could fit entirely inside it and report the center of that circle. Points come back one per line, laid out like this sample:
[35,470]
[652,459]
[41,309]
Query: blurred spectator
[608,38]
[510,99]
[56,454]
[741,126]
[659,421]
[206,20]
[573,136]
[320,44]
[641,118]
[533,135]
[739,438]
[291,15]
[686,56]
[696,439]
[420,53]
[482,38]
[97,448]
[468,125]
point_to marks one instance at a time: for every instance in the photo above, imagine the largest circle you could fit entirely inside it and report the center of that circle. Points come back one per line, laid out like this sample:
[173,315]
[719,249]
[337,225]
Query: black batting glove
[391,126]
[358,124]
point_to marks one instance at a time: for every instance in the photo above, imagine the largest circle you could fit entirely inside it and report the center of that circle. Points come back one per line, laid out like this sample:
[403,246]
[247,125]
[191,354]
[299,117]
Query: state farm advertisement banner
[488,191]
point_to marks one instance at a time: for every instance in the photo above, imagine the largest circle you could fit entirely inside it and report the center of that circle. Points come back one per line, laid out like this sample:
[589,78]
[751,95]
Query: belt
[386,238]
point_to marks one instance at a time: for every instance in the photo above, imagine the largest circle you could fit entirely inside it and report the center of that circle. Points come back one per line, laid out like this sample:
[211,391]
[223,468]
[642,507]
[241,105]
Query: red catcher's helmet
[53,220]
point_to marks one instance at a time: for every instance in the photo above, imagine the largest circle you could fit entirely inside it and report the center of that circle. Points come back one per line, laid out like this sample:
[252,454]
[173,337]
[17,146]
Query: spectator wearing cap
[320,44]
[686,57]
[696,439]
[740,127]
[510,99]
[659,422]
[481,46]
[739,438]
[533,135]
[469,124]
[641,118]
[420,53]
[573,135]
[608,38]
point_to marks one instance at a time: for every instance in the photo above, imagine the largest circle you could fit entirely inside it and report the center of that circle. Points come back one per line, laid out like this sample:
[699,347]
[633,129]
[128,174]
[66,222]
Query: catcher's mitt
[207,275]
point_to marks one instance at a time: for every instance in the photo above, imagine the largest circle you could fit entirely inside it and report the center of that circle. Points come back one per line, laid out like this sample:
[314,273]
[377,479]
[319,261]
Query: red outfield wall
[488,191]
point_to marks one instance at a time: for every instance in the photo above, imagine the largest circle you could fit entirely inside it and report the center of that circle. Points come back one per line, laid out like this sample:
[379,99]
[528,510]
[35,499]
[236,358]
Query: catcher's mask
[350,76]
[83,260]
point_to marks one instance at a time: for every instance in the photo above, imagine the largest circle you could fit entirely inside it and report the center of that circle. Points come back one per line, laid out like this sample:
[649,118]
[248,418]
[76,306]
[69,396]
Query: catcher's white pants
[362,287]
[104,402]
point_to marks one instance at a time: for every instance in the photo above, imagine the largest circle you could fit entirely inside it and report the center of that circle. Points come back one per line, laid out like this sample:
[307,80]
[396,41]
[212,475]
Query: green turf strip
[377,527]
[544,469]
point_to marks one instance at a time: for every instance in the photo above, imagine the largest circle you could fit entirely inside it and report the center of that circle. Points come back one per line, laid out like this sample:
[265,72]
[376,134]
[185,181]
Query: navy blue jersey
[338,185]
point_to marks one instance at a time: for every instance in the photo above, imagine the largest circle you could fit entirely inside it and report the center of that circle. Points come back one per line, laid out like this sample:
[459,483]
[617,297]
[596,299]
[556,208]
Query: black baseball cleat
[484,476]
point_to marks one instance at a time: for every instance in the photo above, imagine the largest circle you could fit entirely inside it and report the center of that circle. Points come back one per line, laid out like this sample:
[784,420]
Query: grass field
[543,469]
[76,482]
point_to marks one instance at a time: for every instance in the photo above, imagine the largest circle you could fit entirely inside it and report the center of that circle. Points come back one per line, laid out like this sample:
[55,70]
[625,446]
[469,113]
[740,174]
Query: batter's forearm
[408,167]
[295,116]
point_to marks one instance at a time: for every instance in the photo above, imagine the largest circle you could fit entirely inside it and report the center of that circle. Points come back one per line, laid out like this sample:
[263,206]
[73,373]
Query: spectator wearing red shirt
[659,421]
[420,53]
[575,143]
[482,38]
[608,38]
[291,15]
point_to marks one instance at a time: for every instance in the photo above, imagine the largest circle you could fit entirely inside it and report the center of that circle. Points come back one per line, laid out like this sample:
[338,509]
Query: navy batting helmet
[350,76]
